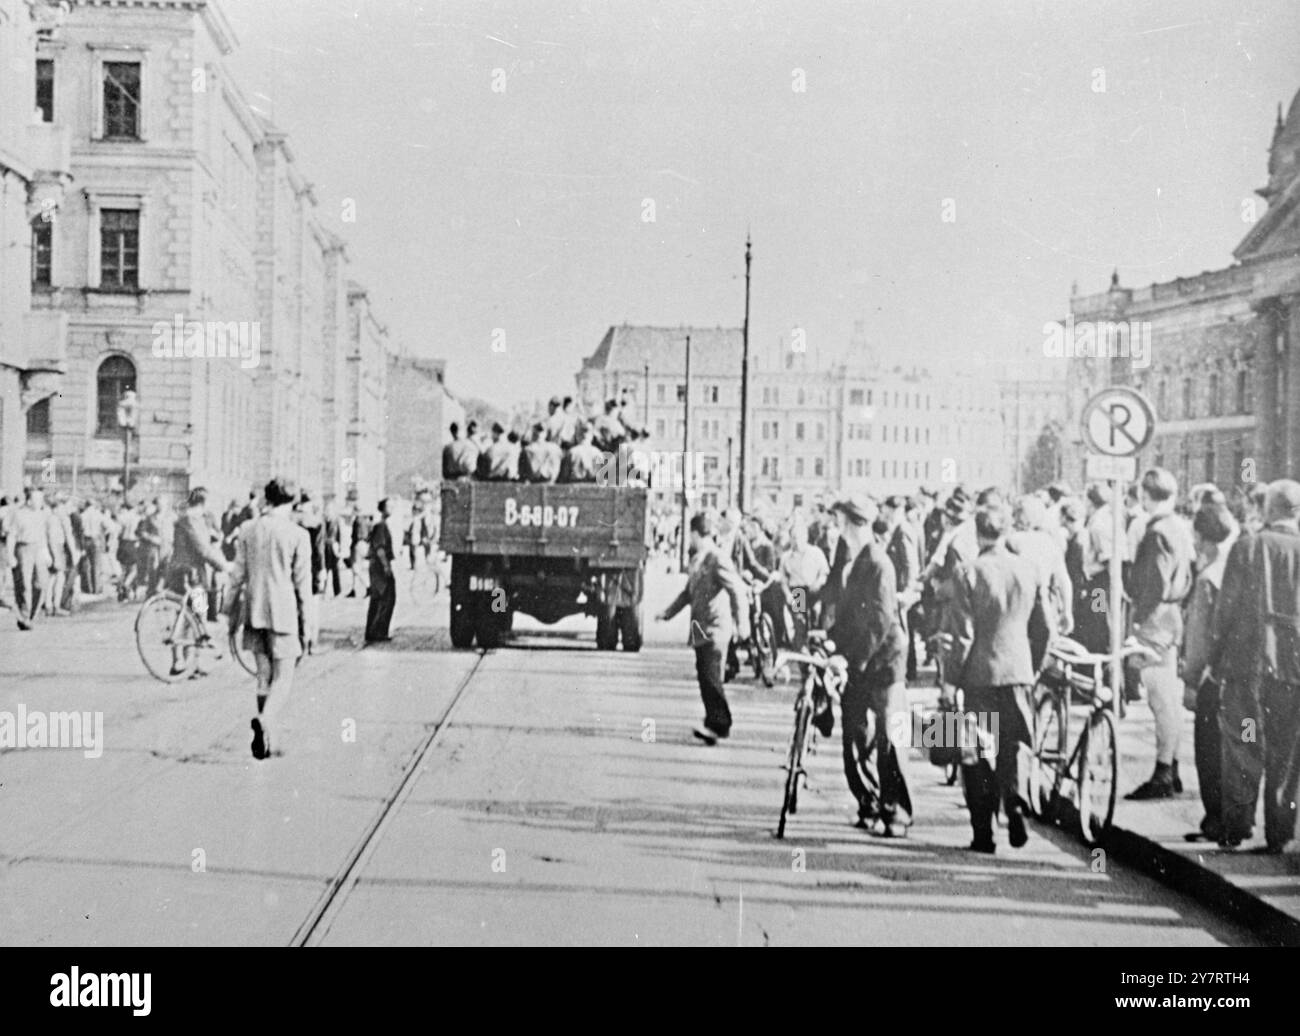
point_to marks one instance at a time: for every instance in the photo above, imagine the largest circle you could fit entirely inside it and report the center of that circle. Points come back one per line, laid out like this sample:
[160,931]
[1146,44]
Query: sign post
[1117,423]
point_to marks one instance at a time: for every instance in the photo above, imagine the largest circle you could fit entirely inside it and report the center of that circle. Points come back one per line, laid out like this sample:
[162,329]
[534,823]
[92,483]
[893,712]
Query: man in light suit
[272,568]
[987,654]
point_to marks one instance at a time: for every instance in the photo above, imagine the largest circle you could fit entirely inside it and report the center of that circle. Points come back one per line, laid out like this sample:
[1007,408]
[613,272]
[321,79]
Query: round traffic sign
[1118,421]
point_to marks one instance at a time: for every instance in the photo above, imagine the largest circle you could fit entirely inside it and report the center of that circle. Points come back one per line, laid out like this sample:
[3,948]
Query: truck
[545,550]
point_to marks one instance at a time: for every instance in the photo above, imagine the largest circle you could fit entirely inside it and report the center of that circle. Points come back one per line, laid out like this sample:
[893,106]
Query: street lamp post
[744,386]
[646,409]
[686,447]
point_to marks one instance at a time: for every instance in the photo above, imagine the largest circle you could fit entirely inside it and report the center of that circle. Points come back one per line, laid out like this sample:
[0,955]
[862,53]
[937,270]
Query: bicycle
[824,676]
[1092,767]
[170,633]
[762,638]
[424,577]
[946,757]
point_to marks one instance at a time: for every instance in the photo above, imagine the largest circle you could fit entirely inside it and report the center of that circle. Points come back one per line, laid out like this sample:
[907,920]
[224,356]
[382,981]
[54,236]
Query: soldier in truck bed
[500,461]
[541,458]
[459,457]
[583,462]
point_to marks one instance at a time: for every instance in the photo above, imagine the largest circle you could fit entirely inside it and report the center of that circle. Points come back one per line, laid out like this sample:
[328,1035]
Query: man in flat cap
[868,633]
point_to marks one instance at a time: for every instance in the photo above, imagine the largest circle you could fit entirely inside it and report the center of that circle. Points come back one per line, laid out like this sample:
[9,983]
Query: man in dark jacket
[194,547]
[874,713]
[716,597]
[1256,658]
[383,583]
[541,459]
[987,654]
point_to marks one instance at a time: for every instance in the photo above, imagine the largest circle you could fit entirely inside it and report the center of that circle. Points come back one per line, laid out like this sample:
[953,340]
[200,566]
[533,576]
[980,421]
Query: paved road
[560,800]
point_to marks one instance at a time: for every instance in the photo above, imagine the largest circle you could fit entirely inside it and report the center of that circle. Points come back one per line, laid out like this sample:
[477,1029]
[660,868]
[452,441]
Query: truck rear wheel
[489,624]
[606,630]
[462,621]
[628,620]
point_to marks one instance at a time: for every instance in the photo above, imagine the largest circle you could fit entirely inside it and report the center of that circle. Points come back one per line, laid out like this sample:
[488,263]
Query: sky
[943,171]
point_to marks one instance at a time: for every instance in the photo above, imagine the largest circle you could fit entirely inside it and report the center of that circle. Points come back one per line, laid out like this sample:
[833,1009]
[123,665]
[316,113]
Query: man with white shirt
[804,570]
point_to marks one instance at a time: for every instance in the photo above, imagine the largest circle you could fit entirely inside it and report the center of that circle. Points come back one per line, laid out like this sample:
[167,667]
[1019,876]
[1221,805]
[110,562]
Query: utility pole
[646,418]
[686,449]
[744,385]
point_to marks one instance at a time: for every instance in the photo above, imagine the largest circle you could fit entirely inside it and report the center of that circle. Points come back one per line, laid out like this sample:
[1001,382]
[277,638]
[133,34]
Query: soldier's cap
[858,508]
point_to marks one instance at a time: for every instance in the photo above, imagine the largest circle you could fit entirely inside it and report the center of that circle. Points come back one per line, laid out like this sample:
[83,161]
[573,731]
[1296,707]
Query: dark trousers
[1275,755]
[993,780]
[379,613]
[1241,756]
[708,670]
[90,563]
[1208,747]
[333,565]
[873,762]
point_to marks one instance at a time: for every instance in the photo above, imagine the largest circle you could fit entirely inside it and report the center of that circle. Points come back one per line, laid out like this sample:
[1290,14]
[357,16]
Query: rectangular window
[868,467]
[42,252]
[659,426]
[122,100]
[713,393]
[119,248]
[798,467]
[855,397]
[681,393]
[660,394]
[821,430]
[798,499]
[798,430]
[45,88]
[819,467]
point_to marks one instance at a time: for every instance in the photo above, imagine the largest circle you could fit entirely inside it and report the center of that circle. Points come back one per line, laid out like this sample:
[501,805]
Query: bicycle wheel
[1098,777]
[167,637]
[1049,743]
[794,764]
[237,651]
[765,651]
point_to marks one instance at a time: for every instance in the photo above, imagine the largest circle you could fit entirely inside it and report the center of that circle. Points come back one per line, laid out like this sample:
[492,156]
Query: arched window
[38,418]
[116,376]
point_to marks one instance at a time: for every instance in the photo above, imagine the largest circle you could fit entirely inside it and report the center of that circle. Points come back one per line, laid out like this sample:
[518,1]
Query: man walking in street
[271,576]
[30,540]
[1161,580]
[716,597]
[383,584]
[987,654]
[876,729]
[1256,658]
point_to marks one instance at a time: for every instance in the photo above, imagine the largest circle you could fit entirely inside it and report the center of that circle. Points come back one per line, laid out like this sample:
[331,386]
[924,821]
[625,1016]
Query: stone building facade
[419,410]
[35,170]
[1223,371]
[192,268]
[815,428]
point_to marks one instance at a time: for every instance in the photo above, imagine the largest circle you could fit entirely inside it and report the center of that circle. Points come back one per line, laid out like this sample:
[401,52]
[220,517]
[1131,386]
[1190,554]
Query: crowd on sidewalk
[982,585]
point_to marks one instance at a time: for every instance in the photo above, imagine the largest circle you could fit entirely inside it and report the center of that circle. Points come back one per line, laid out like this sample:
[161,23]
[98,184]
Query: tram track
[316,925]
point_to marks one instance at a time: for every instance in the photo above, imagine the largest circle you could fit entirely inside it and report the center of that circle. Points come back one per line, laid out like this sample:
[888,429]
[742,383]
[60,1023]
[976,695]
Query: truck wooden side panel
[604,525]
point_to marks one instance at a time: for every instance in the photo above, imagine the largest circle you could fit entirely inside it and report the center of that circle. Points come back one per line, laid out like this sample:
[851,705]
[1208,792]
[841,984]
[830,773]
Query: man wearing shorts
[271,574]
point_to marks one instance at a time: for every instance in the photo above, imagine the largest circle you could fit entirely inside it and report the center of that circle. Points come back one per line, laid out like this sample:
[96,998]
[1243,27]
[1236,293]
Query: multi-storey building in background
[35,170]
[1223,368]
[191,267]
[815,429]
[420,409]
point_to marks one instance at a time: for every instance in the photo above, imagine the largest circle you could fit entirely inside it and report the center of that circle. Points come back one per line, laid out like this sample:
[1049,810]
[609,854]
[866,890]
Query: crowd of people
[563,447]
[982,585]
